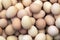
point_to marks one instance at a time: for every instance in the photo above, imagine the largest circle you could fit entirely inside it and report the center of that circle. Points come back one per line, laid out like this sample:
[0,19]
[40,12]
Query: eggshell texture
[40,24]
[26,2]
[13,2]
[41,14]
[6,3]
[52,30]
[16,23]
[11,12]
[33,31]
[49,20]
[3,23]
[22,13]
[40,36]
[47,7]
[12,38]
[53,1]
[28,11]
[1,31]
[57,22]
[48,37]
[20,37]
[2,38]
[19,6]
[9,30]
[36,6]
[55,9]
[3,14]
[26,22]
[27,37]
[0,6]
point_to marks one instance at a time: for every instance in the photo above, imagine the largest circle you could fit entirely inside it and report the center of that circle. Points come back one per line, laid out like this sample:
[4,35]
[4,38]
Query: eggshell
[13,2]
[1,31]
[6,3]
[26,2]
[26,22]
[33,31]
[16,23]
[49,20]
[20,37]
[11,12]
[9,30]
[40,36]
[52,30]
[47,7]
[55,9]
[40,24]
[2,38]
[53,1]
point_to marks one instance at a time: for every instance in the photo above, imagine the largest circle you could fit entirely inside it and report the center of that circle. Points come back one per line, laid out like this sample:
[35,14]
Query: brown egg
[40,24]
[3,23]
[53,1]
[3,14]
[11,12]
[14,2]
[49,20]
[28,10]
[26,2]
[19,6]
[6,3]
[1,31]
[59,1]
[16,23]
[9,30]
[36,6]
[22,13]
[41,14]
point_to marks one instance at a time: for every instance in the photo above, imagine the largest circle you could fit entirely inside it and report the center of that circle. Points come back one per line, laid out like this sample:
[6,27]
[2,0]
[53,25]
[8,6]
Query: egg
[47,7]
[11,12]
[36,6]
[59,1]
[13,2]
[3,14]
[27,37]
[40,24]
[49,20]
[9,30]
[33,31]
[12,38]
[16,23]
[41,14]
[26,2]
[26,22]
[1,6]
[48,37]
[3,23]
[2,38]
[57,22]
[22,13]
[53,1]
[6,3]
[42,31]
[20,37]
[1,30]
[19,6]
[52,30]
[55,9]
[40,36]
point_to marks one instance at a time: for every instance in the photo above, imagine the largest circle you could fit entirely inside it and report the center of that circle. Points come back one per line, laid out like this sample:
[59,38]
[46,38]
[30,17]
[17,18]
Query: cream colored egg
[33,31]
[19,6]
[22,13]
[6,3]
[52,30]
[40,36]
[11,12]
[53,1]
[55,9]
[26,2]
[12,38]
[47,7]
[14,2]
[2,38]
[16,23]
[3,23]
[49,20]
[27,37]
[9,30]
[26,22]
